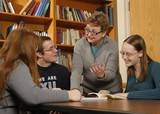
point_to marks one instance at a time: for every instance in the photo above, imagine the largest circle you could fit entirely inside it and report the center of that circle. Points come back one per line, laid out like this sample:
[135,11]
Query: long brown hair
[139,44]
[21,45]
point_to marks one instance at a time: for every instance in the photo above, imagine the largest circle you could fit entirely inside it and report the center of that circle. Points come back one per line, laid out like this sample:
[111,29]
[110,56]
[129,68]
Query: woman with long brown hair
[19,77]
[143,74]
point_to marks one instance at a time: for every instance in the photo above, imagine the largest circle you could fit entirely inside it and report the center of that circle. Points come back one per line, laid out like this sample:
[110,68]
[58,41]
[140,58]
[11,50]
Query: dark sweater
[54,76]
[147,89]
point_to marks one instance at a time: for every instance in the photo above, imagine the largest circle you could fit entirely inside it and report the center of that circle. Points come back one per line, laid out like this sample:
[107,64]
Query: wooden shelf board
[70,24]
[28,19]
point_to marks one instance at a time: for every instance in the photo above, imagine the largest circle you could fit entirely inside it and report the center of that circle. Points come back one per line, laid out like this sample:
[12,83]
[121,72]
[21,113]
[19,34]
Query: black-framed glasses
[127,53]
[52,48]
[93,33]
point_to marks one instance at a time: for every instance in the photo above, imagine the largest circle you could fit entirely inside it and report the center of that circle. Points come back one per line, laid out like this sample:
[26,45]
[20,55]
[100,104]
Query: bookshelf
[50,23]
[31,22]
[86,5]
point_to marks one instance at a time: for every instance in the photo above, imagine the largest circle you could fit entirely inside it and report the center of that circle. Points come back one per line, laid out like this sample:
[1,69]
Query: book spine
[110,13]
[5,6]
[36,8]
[1,6]
[11,7]
[37,12]
[46,8]
[24,8]
[44,3]
[29,7]
[32,9]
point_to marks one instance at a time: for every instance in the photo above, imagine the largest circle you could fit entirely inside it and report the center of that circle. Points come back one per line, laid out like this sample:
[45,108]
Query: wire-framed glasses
[128,54]
[52,48]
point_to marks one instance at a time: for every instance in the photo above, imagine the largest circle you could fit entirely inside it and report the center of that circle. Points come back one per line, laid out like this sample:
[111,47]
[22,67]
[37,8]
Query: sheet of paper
[93,98]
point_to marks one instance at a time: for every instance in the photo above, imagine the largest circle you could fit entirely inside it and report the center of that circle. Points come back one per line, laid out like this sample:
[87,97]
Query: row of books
[67,13]
[65,59]
[69,36]
[35,8]
[40,33]
[20,24]
[31,8]
[107,10]
[6,6]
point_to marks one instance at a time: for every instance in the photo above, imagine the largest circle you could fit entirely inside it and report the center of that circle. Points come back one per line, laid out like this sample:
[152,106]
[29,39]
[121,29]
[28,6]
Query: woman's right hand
[74,95]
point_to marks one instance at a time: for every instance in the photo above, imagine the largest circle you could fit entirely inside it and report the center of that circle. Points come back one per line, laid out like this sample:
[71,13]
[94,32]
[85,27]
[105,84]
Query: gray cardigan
[22,85]
[83,59]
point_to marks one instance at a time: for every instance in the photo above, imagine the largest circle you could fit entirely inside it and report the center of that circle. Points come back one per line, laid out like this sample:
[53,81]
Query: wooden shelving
[51,23]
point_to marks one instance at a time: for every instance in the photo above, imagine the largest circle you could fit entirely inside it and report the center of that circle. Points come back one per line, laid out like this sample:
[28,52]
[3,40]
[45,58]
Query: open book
[102,96]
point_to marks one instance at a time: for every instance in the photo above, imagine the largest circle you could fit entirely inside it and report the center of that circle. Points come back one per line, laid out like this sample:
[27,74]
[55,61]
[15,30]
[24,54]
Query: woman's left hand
[98,70]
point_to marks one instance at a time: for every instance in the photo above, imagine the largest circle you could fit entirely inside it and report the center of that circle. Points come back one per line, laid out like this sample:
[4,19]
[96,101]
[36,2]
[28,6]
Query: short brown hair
[99,19]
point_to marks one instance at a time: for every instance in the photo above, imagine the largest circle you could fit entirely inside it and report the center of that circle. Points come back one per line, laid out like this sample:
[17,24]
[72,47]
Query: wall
[147,24]
[123,31]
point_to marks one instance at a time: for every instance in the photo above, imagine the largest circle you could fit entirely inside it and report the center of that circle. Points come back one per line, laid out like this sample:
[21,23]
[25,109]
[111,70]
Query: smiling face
[50,51]
[49,54]
[94,34]
[130,55]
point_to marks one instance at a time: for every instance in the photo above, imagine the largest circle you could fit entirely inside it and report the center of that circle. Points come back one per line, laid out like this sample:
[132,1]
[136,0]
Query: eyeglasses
[93,33]
[127,54]
[51,48]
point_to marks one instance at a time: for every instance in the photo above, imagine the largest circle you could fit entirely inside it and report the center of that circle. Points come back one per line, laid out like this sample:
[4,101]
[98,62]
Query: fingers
[56,89]
[104,91]
[97,68]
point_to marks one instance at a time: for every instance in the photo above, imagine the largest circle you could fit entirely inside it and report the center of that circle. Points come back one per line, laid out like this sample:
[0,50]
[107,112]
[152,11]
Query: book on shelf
[102,96]
[11,28]
[74,14]
[68,36]
[107,10]
[30,12]
[36,8]
[41,7]
[73,36]
[5,4]
[65,59]
[67,13]
[11,7]
[20,24]
[69,57]
[59,36]
[1,6]
[41,10]
[110,14]
[79,15]
[103,8]
[46,9]
[83,15]
[40,33]
[57,12]
[25,12]
[25,7]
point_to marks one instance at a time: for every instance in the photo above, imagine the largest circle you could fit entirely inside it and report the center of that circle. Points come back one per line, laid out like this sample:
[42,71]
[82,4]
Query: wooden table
[106,107]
